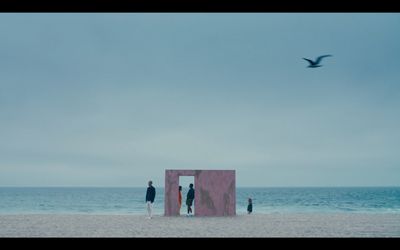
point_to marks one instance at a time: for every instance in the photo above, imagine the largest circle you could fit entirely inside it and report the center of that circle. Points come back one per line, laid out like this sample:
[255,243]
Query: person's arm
[147,195]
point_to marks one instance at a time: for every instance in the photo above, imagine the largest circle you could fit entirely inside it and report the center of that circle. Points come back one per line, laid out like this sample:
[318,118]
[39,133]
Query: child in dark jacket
[250,206]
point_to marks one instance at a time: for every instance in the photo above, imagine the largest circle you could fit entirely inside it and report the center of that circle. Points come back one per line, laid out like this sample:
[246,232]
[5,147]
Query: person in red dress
[180,198]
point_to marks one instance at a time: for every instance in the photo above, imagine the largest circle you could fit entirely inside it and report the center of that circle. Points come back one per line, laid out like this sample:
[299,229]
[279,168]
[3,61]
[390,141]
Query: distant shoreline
[144,186]
[142,213]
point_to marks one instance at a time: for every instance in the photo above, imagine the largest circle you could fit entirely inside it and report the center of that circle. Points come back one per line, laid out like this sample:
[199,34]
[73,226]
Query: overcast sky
[115,99]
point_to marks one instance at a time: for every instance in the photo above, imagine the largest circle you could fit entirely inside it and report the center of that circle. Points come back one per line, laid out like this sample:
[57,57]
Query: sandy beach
[255,225]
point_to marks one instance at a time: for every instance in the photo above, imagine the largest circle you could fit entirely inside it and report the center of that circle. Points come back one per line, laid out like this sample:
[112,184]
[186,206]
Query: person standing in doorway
[180,198]
[150,195]
[189,199]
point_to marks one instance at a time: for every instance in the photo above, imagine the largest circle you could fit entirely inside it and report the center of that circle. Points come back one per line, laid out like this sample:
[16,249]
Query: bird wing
[320,58]
[310,61]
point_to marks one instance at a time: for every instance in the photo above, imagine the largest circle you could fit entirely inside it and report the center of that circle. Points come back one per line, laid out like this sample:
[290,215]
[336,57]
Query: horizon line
[144,186]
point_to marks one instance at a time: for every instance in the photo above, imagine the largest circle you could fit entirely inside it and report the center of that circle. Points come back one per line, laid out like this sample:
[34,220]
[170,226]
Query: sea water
[98,200]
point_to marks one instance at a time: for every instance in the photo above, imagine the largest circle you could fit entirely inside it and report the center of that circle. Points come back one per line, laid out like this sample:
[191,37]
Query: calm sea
[71,200]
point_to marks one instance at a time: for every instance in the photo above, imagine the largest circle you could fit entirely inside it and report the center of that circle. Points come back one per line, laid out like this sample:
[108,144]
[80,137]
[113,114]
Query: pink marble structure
[215,192]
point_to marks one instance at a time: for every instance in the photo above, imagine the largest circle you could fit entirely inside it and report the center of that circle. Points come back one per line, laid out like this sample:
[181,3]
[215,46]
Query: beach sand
[254,225]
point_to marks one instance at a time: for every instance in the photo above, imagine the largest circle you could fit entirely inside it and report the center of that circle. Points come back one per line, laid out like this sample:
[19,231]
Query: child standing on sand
[250,206]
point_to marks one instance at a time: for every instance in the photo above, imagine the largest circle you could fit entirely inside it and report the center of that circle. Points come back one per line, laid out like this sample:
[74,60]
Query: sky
[115,99]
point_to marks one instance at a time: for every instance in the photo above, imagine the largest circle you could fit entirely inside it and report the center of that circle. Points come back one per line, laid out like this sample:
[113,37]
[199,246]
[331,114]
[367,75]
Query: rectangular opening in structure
[187,205]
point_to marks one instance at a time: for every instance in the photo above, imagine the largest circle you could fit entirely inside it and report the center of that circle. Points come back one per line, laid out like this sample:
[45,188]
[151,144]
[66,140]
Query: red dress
[180,199]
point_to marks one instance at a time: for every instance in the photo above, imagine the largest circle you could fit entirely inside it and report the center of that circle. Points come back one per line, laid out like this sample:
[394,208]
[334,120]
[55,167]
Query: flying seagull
[315,64]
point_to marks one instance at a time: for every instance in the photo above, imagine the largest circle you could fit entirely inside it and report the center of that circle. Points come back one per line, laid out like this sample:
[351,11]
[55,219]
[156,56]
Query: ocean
[98,200]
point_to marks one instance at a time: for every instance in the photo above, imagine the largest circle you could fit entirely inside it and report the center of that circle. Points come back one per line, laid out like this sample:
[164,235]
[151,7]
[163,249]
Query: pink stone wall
[215,192]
